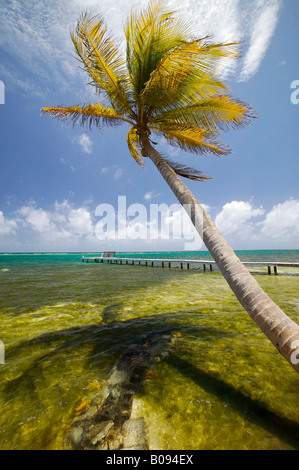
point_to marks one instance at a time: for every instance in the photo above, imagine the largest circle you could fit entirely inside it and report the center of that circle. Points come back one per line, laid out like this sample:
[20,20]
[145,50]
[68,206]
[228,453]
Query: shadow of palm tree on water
[251,409]
[133,347]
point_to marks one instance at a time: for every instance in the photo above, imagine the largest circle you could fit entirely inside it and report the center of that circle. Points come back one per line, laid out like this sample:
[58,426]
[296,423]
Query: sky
[56,180]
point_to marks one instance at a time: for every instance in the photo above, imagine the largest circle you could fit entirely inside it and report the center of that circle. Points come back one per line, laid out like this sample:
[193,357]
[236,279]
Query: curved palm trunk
[275,324]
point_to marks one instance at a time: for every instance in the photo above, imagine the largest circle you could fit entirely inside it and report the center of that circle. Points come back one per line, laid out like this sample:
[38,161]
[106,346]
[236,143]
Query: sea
[214,383]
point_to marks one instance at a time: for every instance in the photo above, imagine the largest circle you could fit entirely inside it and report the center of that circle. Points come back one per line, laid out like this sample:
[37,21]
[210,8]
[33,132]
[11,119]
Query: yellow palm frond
[103,61]
[168,83]
[187,171]
[149,35]
[89,114]
[219,112]
[134,145]
[191,139]
[186,73]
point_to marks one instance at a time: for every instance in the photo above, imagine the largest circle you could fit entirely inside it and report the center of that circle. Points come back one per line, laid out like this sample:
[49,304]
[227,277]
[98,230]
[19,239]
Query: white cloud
[7,226]
[264,20]
[118,173]
[282,63]
[37,33]
[115,171]
[37,219]
[12,78]
[65,227]
[235,218]
[247,227]
[84,142]
[142,228]
[282,222]
[79,221]
[150,195]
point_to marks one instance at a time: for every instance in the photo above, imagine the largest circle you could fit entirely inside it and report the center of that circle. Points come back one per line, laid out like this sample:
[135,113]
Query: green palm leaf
[167,84]
[192,139]
[103,61]
[187,171]
[220,112]
[89,114]
[134,145]
[184,74]
[150,34]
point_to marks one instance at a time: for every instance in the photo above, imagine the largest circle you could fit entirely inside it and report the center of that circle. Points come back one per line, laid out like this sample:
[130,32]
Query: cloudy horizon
[64,225]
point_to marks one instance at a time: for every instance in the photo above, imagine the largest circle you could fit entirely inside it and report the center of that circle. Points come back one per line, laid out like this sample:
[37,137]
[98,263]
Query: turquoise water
[66,324]
[252,255]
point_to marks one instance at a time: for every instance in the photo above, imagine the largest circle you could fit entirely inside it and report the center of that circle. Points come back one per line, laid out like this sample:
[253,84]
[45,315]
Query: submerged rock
[75,436]
[107,423]
[99,431]
[134,433]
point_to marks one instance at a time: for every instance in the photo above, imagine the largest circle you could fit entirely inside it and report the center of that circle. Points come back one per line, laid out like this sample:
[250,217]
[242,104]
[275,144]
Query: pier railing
[206,265]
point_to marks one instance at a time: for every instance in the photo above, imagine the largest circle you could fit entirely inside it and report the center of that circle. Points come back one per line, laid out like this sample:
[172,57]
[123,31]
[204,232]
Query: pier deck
[183,263]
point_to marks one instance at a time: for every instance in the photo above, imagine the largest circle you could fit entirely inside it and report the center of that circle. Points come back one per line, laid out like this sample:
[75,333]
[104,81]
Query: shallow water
[220,385]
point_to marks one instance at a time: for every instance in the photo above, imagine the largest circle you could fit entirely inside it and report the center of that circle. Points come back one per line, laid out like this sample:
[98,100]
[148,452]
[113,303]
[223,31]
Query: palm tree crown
[166,85]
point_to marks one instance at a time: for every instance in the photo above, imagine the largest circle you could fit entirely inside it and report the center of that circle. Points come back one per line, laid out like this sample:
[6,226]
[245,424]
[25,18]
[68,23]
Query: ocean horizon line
[137,251]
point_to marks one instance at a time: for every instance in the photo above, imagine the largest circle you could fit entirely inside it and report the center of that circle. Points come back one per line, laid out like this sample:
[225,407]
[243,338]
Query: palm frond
[134,146]
[192,139]
[187,73]
[168,84]
[150,34]
[219,112]
[103,61]
[88,114]
[186,171]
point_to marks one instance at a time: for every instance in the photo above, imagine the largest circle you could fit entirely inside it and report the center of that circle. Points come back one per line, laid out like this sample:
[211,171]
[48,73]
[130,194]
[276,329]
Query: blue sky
[54,176]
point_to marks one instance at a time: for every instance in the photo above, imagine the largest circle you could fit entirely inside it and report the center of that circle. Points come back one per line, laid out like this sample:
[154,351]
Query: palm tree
[168,85]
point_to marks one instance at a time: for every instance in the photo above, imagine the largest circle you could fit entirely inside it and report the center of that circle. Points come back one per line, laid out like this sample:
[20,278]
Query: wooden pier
[206,265]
